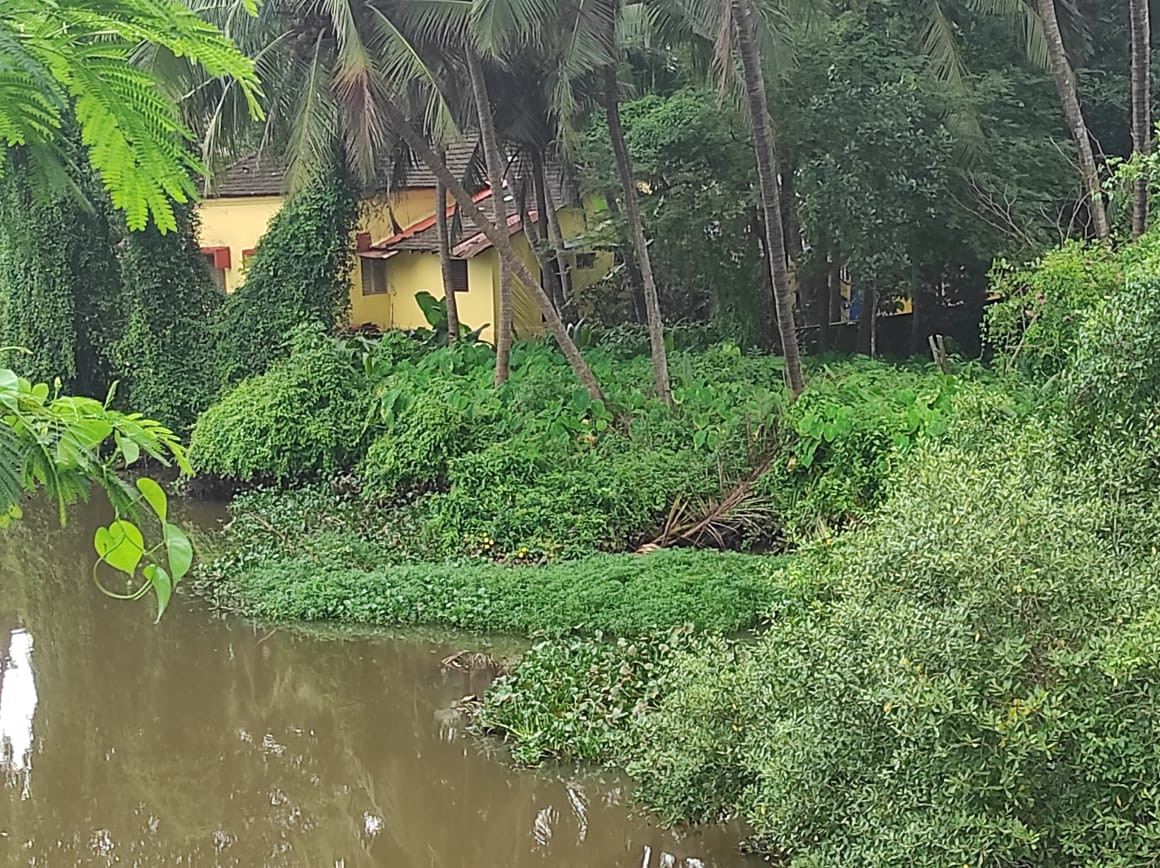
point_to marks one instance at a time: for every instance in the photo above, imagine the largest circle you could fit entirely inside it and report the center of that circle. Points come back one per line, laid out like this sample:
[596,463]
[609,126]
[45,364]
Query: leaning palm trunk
[1064,77]
[443,233]
[498,236]
[656,326]
[770,194]
[1141,108]
[495,173]
[553,235]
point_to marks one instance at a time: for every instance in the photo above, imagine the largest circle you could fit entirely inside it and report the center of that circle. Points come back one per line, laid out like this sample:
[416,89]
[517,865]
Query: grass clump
[619,595]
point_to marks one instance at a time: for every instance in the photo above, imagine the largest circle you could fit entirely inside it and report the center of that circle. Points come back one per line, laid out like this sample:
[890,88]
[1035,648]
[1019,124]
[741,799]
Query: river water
[207,741]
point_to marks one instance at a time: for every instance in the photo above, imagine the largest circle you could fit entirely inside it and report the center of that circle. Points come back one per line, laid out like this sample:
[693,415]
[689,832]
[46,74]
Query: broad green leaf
[155,496]
[120,545]
[9,389]
[179,550]
[162,587]
[130,451]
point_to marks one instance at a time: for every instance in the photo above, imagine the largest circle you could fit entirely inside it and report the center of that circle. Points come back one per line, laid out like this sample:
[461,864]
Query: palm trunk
[487,135]
[556,234]
[1064,77]
[1141,107]
[770,194]
[499,238]
[535,232]
[631,266]
[444,235]
[547,211]
[656,326]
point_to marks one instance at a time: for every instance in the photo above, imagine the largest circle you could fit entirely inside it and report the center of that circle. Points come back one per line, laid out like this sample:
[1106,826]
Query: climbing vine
[60,282]
[299,274]
[166,357]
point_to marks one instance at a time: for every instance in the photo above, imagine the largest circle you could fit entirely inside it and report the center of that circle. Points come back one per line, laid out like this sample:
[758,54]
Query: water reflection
[207,742]
[17,706]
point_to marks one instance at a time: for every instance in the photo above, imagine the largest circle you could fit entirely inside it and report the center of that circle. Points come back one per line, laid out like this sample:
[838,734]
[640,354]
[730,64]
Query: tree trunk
[1064,77]
[495,167]
[1141,27]
[443,233]
[547,215]
[770,194]
[499,238]
[631,266]
[656,326]
[556,233]
[535,232]
[822,294]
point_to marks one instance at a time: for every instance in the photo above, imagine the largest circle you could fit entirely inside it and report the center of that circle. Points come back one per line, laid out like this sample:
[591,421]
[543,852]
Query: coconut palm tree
[1064,76]
[443,233]
[746,37]
[359,78]
[1141,29]
[499,212]
[1038,22]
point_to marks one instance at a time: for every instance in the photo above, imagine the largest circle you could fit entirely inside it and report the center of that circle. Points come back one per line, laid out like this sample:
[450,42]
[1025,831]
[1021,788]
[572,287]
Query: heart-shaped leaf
[179,550]
[154,495]
[120,545]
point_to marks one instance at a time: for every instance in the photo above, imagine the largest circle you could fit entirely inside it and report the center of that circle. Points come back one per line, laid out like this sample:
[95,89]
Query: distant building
[394,265]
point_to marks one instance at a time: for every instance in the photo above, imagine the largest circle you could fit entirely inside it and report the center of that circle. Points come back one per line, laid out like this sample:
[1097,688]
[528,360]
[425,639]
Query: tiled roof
[266,175]
[466,237]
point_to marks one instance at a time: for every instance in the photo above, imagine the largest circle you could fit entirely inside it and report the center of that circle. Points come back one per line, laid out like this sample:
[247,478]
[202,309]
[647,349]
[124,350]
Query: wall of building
[236,223]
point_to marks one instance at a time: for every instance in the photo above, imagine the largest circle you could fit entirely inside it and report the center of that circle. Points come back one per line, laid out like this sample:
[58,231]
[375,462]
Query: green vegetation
[976,664]
[300,273]
[885,613]
[619,595]
[303,417]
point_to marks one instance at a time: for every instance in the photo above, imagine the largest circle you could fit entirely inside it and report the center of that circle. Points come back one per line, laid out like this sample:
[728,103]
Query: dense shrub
[61,295]
[299,274]
[166,357]
[617,594]
[302,418]
[1045,305]
[973,682]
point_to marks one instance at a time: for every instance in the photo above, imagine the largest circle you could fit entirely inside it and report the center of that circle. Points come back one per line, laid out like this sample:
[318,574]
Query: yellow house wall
[239,223]
[236,223]
[411,273]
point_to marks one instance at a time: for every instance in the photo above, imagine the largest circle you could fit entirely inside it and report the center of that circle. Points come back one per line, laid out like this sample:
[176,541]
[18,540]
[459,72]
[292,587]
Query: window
[459,275]
[218,260]
[374,276]
[586,260]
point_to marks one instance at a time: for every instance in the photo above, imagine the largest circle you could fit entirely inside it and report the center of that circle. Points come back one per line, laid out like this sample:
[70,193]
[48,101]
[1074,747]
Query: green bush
[621,595]
[1046,305]
[972,681]
[167,356]
[303,418]
[61,296]
[608,498]
[300,273]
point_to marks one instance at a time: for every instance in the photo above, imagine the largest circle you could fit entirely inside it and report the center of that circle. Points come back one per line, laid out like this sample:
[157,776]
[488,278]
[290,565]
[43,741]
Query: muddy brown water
[208,741]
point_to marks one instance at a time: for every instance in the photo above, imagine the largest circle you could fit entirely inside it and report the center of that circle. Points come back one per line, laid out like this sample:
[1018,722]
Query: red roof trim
[425,223]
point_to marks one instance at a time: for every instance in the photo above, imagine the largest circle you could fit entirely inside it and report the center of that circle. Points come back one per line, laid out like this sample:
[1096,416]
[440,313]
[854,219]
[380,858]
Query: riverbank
[956,657]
